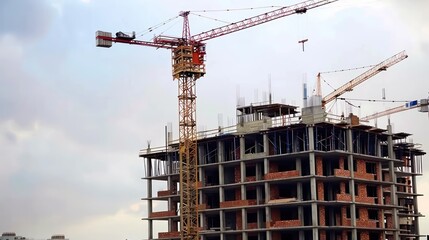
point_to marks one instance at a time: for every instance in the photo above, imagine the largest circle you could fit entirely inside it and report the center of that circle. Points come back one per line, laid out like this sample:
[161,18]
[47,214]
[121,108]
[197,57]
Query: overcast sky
[73,117]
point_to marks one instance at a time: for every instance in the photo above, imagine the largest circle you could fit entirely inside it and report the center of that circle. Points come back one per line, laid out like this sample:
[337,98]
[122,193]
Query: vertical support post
[267,198]
[149,196]
[393,196]
[415,202]
[313,185]
[350,160]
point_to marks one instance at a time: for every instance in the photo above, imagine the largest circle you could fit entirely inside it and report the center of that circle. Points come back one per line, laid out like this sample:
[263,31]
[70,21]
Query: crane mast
[188,67]
[188,56]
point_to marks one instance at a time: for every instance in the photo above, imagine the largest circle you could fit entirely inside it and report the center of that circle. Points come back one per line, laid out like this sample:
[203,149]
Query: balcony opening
[230,220]
[213,222]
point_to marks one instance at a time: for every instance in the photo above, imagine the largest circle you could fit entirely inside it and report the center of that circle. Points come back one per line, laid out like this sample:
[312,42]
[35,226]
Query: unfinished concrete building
[282,175]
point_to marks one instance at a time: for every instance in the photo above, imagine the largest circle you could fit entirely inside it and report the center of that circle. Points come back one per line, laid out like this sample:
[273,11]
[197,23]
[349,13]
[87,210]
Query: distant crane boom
[364,76]
[423,104]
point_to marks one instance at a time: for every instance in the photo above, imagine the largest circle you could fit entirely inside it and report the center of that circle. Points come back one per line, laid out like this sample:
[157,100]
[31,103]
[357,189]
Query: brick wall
[252,225]
[386,177]
[320,191]
[319,166]
[274,192]
[364,221]
[377,170]
[202,206]
[361,190]
[388,200]
[285,223]
[341,173]
[162,214]
[251,179]
[238,220]
[322,221]
[379,195]
[166,193]
[380,219]
[275,215]
[360,171]
[389,221]
[237,174]
[343,187]
[341,162]
[322,235]
[344,220]
[237,203]
[281,175]
[344,197]
[169,235]
[344,235]
[362,195]
[364,236]
[361,199]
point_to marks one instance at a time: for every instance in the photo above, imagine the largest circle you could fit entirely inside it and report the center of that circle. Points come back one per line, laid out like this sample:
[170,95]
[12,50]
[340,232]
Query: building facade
[283,175]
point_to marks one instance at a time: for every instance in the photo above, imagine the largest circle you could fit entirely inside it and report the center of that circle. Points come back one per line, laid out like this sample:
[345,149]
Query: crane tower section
[188,67]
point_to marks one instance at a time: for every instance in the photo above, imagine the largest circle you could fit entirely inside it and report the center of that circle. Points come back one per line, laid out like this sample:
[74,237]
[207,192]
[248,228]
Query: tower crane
[382,66]
[423,104]
[188,60]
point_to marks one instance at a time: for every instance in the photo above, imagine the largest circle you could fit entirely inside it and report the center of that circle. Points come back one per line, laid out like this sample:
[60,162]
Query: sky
[73,117]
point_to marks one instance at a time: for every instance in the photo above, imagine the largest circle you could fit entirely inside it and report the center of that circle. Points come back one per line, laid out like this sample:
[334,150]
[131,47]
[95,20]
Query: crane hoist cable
[161,33]
[150,29]
[215,19]
[235,9]
[372,100]
[347,69]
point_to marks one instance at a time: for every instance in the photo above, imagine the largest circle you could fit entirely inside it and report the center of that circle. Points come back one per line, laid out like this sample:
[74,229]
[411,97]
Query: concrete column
[266,144]
[149,195]
[393,196]
[380,172]
[259,199]
[268,235]
[313,185]
[267,198]
[378,148]
[221,151]
[298,166]
[243,179]
[242,147]
[299,196]
[260,218]
[415,202]
[266,184]
[222,224]
[244,223]
[352,181]
[201,217]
